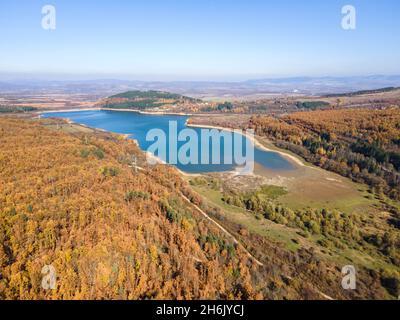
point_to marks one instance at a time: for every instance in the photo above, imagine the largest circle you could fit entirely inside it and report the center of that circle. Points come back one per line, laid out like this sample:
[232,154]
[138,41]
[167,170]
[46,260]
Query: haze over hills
[203,89]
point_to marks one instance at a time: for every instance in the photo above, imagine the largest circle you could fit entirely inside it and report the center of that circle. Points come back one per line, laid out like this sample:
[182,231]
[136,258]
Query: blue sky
[202,39]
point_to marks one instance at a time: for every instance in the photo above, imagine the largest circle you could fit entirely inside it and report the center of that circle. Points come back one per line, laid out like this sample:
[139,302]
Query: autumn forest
[117,229]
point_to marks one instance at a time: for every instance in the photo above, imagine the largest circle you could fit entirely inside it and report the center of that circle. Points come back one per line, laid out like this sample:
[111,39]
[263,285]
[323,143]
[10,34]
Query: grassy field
[358,202]
[310,186]
[247,219]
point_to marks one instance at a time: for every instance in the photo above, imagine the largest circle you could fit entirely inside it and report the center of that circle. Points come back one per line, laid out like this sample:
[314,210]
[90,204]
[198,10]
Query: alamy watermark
[49,280]
[211,146]
[49,17]
[349,280]
[349,19]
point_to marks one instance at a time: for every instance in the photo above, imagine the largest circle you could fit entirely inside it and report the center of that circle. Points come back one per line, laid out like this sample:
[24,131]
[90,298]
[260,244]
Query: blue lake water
[138,125]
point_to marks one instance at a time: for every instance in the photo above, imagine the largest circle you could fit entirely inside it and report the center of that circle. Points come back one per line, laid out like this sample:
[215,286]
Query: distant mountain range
[207,89]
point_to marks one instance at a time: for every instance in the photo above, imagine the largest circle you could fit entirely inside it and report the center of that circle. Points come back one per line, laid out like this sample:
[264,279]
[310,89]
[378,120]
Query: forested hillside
[141,100]
[15,109]
[357,143]
[362,92]
[111,230]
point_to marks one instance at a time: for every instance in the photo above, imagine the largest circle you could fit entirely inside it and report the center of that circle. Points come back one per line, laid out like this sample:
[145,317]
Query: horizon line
[62,77]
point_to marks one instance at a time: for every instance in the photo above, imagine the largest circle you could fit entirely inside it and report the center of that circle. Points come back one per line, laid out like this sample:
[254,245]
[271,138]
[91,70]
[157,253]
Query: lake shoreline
[154,113]
[252,138]
[236,171]
[67,110]
[161,113]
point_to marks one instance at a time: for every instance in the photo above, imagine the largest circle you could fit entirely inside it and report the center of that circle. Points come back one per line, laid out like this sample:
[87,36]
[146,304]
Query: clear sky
[200,39]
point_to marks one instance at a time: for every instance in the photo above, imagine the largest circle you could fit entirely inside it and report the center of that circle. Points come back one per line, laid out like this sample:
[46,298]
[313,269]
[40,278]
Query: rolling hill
[142,100]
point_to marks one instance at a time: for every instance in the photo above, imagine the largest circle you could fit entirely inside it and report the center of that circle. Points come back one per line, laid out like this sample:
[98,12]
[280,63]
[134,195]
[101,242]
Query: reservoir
[138,125]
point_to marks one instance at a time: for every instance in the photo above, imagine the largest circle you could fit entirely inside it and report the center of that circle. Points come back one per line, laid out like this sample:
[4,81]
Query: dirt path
[223,230]
[235,241]
[226,232]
